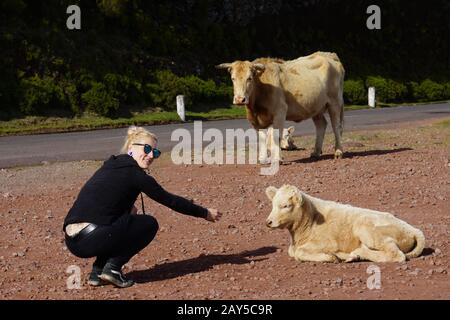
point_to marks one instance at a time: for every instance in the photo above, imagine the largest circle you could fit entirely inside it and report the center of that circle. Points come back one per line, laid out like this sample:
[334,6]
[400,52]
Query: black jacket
[113,189]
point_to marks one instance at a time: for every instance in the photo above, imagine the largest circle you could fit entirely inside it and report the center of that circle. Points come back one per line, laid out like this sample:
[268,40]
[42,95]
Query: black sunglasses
[148,148]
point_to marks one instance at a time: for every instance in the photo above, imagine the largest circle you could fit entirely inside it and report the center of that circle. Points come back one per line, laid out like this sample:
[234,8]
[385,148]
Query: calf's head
[286,206]
[243,75]
[287,141]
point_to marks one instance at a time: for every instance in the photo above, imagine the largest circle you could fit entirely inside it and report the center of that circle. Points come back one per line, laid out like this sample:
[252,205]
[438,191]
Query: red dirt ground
[405,171]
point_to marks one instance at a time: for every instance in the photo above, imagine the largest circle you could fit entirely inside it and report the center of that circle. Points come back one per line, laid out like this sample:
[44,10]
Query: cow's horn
[259,67]
[223,66]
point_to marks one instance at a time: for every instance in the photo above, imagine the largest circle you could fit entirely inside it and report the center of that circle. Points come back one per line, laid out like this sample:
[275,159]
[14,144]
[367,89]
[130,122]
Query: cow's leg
[263,146]
[342,255]
[303,255]
[389,253]
[335,117]
[321,125]
[291,251]
[278,124]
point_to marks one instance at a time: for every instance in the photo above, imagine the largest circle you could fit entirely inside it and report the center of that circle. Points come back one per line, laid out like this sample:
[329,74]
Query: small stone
[415,272]
[440,270]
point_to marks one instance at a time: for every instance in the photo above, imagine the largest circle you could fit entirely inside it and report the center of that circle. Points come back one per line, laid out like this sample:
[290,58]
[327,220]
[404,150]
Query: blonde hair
[134,134]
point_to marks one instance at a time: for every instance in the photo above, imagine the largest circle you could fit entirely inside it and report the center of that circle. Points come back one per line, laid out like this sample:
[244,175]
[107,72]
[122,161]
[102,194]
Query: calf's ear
[291,129]
[297,198]
[270,192]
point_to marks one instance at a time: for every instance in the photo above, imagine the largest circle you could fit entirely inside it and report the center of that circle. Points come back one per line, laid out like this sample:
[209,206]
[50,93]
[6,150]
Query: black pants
[116,243]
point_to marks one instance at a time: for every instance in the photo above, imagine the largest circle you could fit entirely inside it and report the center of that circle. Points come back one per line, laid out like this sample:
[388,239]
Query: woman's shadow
[201,263]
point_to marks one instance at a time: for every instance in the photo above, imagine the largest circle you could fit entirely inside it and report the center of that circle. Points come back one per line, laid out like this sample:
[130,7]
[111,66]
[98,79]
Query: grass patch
[31,125]
[445,123]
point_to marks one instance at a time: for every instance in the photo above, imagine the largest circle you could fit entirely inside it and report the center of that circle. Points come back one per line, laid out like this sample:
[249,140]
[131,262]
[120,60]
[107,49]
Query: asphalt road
[100,144]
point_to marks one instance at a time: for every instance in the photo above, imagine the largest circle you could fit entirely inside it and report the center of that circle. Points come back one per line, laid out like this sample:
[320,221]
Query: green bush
[447,91]
[206,91]
[126,90]
[9,94]
[167,86]
[428,90]
[99,100]
[72,96]
[162,93]
[387,90]
[355,92]
[40,94]
[84,81]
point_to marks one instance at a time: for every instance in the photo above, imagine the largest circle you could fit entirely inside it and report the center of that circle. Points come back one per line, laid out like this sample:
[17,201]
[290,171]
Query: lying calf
[326,231]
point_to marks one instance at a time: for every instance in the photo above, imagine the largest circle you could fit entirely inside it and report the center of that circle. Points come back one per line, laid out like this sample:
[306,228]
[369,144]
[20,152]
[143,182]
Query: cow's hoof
[315,155]
[264,161]
[352,258]
[338,154]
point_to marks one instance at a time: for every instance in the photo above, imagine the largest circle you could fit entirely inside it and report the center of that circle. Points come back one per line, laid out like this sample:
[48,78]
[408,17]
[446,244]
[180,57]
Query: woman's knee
[148,226]
[153,224]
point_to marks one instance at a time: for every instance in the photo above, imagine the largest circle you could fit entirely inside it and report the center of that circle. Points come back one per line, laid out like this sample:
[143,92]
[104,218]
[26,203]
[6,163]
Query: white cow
[274,90]
[327,231]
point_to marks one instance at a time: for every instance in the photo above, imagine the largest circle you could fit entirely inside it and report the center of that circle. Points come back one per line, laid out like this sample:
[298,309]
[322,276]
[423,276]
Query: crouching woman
[103,222]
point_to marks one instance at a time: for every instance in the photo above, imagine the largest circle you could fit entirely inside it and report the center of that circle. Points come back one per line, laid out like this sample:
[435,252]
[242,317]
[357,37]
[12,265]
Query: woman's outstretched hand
[213,215]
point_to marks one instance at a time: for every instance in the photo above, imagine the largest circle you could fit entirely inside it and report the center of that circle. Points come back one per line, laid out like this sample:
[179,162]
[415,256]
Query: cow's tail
[420,244]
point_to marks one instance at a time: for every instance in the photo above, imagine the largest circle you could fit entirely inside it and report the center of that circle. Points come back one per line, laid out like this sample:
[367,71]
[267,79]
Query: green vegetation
[135,55]
[445,123]
[35,124]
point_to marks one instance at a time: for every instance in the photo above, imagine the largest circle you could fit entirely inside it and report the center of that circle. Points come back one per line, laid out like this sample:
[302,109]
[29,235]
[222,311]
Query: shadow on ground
[170,270]
[351,154]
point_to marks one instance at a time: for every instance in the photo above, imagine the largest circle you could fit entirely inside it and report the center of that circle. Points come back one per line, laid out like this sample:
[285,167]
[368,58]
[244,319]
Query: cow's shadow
[350,155]
[170,270]
[427,252]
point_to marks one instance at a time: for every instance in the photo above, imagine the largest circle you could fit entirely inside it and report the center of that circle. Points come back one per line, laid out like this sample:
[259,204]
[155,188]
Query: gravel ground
[403,170]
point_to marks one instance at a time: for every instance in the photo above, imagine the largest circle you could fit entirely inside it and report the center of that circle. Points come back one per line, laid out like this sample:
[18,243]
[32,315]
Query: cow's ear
[297,198]
[291,129]
[224,66]
[270,192]
[258,68]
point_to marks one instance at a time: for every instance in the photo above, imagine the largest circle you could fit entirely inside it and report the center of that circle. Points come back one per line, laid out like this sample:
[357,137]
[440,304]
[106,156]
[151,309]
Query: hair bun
[132,130]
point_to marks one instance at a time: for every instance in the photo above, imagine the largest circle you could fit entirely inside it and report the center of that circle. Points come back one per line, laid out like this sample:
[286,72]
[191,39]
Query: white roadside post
[180,107]
[372,100]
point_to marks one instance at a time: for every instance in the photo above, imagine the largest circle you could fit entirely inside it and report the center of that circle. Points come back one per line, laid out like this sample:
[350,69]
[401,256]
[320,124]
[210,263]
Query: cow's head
[287,141]
[243,75]
[286,206]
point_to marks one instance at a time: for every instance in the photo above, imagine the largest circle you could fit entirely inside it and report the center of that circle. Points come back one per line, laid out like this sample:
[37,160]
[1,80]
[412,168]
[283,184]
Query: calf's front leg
[302,255]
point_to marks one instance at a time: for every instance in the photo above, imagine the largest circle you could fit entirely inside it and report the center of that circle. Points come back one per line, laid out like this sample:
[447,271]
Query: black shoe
[94,279]
[115,277]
